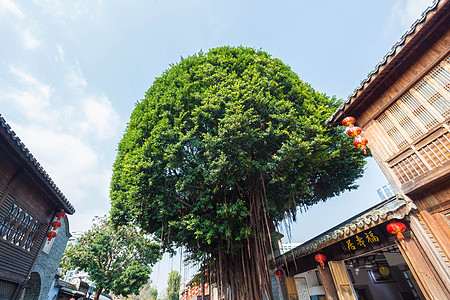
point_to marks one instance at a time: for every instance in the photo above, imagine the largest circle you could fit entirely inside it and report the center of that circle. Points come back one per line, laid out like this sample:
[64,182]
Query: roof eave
[394,208]
[391,60]
[32,164]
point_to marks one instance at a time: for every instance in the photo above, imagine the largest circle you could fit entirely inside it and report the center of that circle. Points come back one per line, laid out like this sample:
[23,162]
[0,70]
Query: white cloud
[32,98]
[406,12]
[100,118]
[20,24]
[64,127]
[60,53]
[29,40]
[87,116]
[71,9]
[7,6]
[75,165]
[75,77]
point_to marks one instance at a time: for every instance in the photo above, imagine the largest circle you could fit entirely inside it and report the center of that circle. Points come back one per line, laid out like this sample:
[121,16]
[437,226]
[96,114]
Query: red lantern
[320,258]
[354,131]
[361,142]
[348,122]
[279,273]
[56,224]
[60,214]
[397,228]
[51,235]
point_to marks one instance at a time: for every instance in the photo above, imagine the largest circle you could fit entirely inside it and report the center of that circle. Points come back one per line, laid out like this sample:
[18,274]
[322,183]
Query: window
[19,227]
[420,109]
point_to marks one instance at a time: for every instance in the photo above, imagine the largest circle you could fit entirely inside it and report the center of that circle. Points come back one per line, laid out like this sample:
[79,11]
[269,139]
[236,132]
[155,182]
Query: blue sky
[72,71]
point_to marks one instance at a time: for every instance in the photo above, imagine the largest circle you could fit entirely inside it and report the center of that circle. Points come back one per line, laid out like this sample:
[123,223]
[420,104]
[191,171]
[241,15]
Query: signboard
[363,240]
[302,288]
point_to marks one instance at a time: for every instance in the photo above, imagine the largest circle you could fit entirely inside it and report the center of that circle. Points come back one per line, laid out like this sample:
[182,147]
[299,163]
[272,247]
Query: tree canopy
[225,145]
[173,286]
[147,292]
[117,260]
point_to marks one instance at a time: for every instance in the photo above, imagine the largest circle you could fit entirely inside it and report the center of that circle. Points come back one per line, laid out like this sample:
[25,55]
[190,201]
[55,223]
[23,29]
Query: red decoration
[60,214]
[354,131]
[320,258]
[51,235]
[279,273]
[348,122]
[56,224]
[396,228]
[361,142]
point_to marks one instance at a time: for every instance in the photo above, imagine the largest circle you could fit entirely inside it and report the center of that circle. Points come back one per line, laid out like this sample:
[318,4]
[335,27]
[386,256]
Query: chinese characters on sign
[362,240]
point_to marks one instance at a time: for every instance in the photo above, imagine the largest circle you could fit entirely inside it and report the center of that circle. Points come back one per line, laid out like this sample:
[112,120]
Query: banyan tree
[224,146]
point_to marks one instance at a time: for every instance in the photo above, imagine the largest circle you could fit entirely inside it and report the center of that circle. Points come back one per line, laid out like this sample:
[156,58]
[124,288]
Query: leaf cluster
[173,286]
[116,259]
[211,131]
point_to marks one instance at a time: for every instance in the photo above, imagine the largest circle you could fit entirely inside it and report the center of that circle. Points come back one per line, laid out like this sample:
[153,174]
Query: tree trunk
[98,292]
[245,273]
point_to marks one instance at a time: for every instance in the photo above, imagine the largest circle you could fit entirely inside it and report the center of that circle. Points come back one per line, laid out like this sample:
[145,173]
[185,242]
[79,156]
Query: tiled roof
[40,170]
[393,208]
[394,51]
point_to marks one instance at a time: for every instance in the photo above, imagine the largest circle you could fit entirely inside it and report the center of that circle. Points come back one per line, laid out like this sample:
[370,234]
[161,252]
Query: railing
[420,160]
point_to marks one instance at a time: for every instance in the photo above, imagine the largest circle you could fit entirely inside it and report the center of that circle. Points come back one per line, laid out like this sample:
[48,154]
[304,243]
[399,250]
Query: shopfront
[363,258]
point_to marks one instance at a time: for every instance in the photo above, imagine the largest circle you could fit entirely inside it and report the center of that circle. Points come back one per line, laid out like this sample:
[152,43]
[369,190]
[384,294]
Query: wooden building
[29,200]
[353,252]
[403,109]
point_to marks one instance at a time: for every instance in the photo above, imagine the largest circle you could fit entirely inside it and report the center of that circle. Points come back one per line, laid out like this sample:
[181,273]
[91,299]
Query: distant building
[386,192]
[75,274]
[285,247]
[29,200]
[76,235]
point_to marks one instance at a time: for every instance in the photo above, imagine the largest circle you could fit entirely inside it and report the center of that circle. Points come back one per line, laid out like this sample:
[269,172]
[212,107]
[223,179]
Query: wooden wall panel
[435,199]
[328,283]
[343,284]
[431,286]
[291,288]
[399,79]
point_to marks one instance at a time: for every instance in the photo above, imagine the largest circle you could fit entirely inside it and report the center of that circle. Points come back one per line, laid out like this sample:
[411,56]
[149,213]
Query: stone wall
[47,264]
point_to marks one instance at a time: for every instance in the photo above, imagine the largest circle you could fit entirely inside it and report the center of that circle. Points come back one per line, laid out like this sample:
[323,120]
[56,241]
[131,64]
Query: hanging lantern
[320,258]
[348,121]
[60,215]
[51,235]
[56,224]
[397,228]
[354,131]
[361,142]
[279,273]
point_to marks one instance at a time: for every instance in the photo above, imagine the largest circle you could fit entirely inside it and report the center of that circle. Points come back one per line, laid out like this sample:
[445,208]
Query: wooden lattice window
[392,131]
[420,109]
[19,227]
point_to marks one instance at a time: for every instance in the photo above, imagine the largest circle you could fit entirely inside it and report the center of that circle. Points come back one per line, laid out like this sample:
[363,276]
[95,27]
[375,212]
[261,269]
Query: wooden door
[343,285]
[328,283]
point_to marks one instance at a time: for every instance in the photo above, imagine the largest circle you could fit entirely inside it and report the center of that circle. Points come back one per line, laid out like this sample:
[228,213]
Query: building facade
[403,110]
[362,260]
[29,201]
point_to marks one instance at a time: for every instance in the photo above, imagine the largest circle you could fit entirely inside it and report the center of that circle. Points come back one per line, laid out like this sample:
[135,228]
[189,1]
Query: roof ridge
[396,47]
[34,161]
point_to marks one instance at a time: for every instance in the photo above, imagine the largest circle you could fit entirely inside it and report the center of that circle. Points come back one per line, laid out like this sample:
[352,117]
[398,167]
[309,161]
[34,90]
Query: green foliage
[117,259]
[212,125]
[146,292]
[173,286]
[224,145]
